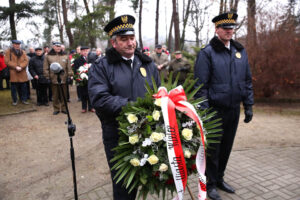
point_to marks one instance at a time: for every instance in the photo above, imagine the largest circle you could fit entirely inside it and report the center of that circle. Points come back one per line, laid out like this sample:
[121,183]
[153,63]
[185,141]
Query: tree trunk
[170,33]
[186,16]
[66,22]
[221,7]
[251,28]
[12,22]
[111,15]
[59,24]
[176,26]
[156,21]
[92,39]
[225,6]
[140,24]
[235,7]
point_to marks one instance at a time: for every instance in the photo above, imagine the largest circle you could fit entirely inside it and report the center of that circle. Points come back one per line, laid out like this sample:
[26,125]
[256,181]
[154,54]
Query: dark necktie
[128,62]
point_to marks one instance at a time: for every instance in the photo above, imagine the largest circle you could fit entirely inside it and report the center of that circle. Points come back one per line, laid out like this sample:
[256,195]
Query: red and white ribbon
[176,99]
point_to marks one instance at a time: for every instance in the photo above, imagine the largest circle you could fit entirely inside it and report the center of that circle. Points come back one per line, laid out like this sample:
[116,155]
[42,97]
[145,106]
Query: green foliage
[80,25]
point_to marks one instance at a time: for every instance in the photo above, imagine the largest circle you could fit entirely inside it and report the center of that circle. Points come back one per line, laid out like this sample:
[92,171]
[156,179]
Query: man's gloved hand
[248,114]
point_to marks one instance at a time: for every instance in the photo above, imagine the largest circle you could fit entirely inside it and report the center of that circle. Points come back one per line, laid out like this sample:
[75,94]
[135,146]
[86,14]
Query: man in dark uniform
[83,89]
[36,71]
[116,79]
[179,65]
[223,68]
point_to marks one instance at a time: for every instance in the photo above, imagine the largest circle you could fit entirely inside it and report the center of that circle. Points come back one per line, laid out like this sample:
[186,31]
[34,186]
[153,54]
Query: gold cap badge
[238,55]
[143,71]
[124,19]
[230,15]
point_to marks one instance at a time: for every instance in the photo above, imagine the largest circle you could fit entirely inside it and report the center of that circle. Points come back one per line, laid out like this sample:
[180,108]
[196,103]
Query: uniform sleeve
[100,91]
[202,73]
[249,100]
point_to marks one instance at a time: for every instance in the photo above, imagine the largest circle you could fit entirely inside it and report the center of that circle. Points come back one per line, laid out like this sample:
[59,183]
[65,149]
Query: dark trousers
[119,192]
[50,92]
[27,90]
[41,93]
[19,88]
[218,153]
[85,100]
[78,92]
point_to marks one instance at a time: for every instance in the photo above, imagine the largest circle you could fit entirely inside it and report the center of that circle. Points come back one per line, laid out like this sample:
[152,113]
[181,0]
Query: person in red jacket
[4,71]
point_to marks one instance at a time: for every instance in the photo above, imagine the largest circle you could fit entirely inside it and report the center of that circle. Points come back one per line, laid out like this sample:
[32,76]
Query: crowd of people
[119,78]
[20,70]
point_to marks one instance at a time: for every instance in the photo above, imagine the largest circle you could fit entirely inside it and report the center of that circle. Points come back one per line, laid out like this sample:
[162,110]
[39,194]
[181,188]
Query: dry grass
[6,107]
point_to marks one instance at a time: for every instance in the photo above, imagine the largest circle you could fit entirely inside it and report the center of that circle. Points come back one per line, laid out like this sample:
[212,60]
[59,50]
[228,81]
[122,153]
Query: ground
[35,155]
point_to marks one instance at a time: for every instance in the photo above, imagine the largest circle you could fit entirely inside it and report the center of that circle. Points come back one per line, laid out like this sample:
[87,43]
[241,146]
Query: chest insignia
[143,71]
[238,55]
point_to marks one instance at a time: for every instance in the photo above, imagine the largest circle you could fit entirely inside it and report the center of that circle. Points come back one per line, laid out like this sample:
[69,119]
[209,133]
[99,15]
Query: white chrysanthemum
[147,142]
[144,160]
[133,139]
[163,167]
[81,69]
[132,118]
[156,115]
[187,133]
[153,159]
[156,137]
[135,162]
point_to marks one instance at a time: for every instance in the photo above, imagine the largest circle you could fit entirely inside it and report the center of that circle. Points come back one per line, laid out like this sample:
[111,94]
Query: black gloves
[248,114]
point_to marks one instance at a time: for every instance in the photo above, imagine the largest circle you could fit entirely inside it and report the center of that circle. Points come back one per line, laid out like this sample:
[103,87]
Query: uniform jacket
[61,58]
[36,68]
[112,84]
[225,74]
[180,65]
[161,60]
[12,61]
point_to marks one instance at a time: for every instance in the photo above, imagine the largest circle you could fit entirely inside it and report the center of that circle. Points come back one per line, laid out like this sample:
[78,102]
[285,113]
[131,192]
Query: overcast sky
[148,26]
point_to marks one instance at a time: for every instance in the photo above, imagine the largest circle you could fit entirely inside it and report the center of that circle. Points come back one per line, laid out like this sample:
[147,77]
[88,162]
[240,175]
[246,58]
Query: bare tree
[176,26]
[185,20]
[198,17]
[140,24]
[59,21]
[251,27]
[170,38]
[66,23]
[156,21]
[92,39]
[230,6]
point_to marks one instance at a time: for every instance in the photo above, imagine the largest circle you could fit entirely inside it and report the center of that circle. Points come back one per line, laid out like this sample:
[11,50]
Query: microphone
[56,68]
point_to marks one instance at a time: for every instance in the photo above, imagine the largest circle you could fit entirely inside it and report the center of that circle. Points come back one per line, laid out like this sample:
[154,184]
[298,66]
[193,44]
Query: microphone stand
[71,131]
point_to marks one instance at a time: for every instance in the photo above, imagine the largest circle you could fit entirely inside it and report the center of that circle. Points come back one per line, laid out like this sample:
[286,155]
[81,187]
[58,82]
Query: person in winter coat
[16,59]
[57,55]
[83,88]
[115,80]
[161,61]
[179,65]
[4,71]
[223,68]
[36,71]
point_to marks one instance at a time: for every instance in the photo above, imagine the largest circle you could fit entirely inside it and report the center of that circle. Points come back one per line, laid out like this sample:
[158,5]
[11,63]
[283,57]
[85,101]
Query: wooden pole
[190,192]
